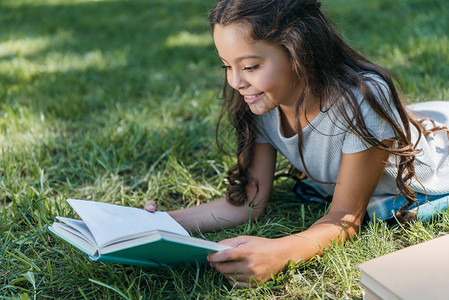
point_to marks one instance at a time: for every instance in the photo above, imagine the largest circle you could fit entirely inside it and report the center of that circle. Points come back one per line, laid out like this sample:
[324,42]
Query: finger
[240,280]
[150,206]
[232,281]
[237,285]
[230,268]
[212,265]
[235,253]
[241,284]
[224,256]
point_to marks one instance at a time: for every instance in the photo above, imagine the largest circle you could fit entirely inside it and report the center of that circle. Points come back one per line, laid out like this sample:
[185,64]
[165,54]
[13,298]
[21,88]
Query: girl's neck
[306,116]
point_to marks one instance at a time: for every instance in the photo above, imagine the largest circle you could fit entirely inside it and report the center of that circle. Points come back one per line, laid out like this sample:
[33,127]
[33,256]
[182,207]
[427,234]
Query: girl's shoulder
[376,85]
[371,90]
[376,88]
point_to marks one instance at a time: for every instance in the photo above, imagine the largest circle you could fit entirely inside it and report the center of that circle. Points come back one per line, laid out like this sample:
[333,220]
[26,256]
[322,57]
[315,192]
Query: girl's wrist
[297,248]
[178,216]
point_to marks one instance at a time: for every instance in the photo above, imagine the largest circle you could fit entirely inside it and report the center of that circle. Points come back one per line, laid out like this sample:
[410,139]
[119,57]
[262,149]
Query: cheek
[266,82]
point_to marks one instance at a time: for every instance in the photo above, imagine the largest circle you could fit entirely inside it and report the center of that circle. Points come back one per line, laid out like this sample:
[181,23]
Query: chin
[257,110]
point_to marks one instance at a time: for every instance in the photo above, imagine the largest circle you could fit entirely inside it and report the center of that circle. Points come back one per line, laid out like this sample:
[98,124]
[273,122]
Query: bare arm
[358,176]
[256,258]
[219,214]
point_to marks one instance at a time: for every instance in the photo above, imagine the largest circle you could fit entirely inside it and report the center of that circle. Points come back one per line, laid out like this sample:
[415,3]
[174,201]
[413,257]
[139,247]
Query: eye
[251,68]
[226,67]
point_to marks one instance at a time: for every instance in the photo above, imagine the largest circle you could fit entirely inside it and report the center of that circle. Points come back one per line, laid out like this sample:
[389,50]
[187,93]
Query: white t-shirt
[326,139]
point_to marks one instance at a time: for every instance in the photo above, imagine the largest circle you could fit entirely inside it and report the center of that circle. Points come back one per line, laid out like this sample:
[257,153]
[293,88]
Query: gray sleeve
[377,126]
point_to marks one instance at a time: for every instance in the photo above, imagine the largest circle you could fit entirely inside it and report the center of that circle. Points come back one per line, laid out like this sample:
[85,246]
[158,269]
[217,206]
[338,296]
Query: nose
[236,81]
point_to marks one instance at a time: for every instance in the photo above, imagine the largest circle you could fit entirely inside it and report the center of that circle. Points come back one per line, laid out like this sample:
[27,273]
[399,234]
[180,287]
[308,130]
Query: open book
[128,235]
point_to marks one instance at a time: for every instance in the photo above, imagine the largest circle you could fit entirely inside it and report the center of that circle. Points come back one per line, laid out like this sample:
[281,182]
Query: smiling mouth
[251,99]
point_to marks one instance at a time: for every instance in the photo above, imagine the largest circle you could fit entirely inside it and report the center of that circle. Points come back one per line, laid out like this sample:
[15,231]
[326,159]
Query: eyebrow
[239,59]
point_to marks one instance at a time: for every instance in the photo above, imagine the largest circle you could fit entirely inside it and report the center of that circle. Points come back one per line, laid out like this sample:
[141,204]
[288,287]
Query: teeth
[252,96]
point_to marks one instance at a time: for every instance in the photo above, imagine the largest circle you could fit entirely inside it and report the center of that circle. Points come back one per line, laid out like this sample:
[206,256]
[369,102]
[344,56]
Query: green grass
[116,101]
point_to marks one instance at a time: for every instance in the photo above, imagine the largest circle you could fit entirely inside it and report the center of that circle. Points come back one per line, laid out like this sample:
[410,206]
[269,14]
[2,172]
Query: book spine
[125,261]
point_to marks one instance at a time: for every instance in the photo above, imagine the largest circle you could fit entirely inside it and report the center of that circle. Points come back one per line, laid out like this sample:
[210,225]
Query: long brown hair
[328,69]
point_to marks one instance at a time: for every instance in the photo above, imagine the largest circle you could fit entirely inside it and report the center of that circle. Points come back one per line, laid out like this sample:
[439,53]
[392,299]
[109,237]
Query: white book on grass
[416,272]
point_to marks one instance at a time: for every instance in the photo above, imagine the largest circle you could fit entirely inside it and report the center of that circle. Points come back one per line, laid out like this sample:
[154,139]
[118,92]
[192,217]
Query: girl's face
[260,71]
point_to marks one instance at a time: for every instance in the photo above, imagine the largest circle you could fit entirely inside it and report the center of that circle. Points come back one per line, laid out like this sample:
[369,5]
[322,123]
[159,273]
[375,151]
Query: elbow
[257,209]
[348,223]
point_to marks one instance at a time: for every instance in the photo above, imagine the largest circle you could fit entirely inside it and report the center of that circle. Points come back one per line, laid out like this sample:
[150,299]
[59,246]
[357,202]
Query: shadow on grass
[111,52]
[85,57]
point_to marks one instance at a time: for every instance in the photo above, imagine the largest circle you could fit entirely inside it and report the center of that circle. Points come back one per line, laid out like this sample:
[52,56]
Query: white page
[108,222]
[74,237]
[81,227]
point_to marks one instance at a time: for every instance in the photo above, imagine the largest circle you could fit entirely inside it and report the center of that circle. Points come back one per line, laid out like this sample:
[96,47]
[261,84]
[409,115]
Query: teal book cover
[125,235]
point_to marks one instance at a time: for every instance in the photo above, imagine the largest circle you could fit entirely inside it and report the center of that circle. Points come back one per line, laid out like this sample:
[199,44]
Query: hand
[150,206]
[252,260]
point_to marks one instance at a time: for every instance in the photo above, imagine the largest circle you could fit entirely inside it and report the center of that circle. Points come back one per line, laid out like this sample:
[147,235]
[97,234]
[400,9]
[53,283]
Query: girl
[295,86]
